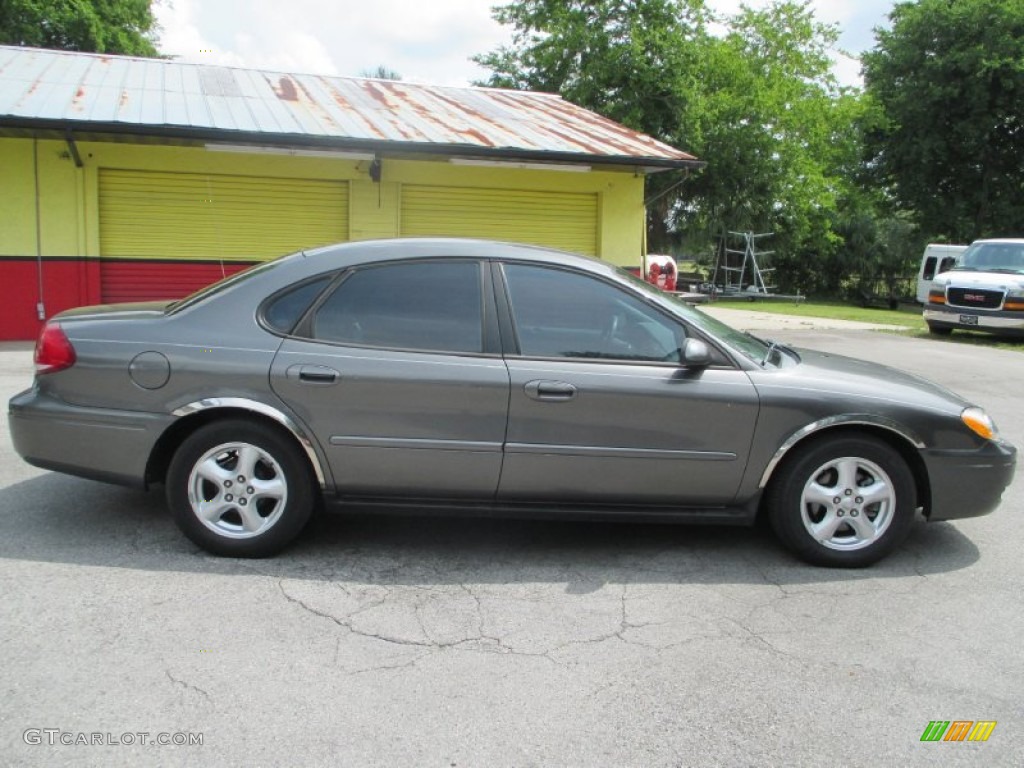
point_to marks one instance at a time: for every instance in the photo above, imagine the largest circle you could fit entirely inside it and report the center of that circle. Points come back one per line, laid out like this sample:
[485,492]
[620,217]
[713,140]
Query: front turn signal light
[979,422]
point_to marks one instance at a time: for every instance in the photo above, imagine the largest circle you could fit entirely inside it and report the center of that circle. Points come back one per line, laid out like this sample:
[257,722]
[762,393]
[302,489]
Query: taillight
[53,350]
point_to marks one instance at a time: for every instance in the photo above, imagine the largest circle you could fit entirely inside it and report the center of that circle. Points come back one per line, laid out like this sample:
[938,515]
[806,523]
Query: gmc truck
[984,291]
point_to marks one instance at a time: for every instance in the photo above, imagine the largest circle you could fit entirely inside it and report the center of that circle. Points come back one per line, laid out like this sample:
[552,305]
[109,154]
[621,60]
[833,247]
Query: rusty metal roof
[120,94]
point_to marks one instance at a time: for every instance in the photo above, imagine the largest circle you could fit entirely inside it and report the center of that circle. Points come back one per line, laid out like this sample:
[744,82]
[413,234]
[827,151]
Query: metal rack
[739,268]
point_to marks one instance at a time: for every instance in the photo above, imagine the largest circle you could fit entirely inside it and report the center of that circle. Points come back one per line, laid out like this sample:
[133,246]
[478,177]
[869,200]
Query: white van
[938,257]
[983,291]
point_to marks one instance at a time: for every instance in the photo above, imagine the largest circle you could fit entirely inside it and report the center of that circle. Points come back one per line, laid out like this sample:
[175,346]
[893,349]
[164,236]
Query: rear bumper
[969,483]
[992,321]
[100,444]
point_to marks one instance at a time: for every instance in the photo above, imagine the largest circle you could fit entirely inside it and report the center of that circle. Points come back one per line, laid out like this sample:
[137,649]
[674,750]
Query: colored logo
[958,730]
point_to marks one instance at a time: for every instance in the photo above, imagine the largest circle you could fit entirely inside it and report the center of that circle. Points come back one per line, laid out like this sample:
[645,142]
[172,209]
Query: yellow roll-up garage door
[159,229]
[565,220]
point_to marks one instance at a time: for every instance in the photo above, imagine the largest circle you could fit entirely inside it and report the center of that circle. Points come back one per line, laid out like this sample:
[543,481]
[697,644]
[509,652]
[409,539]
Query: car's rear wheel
[846,502]
[240,489]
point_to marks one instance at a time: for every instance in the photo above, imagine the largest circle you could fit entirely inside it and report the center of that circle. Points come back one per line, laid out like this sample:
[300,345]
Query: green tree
[751,94]
[630,61]
[948,81]
[776,131]
[381,72]
[875,255]
[627,60]
[101,26]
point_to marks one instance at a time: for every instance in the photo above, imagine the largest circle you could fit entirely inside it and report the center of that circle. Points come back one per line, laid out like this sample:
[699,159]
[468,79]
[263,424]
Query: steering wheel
[611,327]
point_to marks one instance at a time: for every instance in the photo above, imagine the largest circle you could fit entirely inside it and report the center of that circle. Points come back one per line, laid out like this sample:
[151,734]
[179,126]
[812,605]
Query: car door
[398,372]
[600,409]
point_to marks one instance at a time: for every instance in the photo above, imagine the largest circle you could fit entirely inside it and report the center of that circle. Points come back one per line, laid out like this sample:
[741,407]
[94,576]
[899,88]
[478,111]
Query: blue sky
[426,41]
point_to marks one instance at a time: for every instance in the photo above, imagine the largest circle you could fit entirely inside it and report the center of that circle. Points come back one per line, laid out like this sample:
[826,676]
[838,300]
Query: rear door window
[433,306]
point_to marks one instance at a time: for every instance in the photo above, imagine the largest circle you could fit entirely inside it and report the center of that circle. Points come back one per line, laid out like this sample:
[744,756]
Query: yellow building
[126,179]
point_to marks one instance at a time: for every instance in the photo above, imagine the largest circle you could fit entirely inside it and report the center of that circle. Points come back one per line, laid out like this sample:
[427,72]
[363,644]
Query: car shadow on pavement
[59,519]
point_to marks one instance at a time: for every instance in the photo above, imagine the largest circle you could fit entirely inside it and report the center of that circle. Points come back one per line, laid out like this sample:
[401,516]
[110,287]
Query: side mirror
[696,354]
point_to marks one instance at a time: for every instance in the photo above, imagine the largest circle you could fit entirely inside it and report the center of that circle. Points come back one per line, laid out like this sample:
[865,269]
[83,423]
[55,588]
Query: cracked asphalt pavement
[446,642]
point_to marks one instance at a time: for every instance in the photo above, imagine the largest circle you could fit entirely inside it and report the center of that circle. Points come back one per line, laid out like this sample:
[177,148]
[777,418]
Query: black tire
[852,469]
[256,517]
[939,330]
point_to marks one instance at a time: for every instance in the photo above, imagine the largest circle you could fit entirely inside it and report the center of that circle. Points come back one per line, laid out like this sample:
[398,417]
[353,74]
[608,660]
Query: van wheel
[846,502]
[939,330]
[240,489]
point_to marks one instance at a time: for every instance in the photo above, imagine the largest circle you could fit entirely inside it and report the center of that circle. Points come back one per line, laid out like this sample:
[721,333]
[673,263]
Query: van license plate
[968,319]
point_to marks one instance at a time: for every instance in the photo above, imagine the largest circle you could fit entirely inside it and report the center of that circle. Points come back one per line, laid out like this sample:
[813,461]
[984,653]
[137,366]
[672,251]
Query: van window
[929,268]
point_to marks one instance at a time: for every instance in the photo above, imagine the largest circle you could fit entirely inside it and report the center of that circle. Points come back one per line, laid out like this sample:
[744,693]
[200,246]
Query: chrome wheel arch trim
[865,420]
[243,403]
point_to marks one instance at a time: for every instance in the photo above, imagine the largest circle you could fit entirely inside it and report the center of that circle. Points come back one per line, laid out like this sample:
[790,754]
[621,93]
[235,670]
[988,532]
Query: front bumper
[97,443]
[991,321]
[969,483]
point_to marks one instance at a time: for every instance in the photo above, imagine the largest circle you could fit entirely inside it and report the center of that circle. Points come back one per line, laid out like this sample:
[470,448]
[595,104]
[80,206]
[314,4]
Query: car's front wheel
[240,489]
[939,330]
[845,502]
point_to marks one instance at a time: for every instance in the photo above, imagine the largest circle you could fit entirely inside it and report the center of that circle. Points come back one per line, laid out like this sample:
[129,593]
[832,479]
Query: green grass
[977,339]
[909,318]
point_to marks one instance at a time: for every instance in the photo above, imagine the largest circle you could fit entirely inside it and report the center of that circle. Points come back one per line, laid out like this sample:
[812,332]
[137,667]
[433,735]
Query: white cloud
[427,41]
[180,35]
[423,41]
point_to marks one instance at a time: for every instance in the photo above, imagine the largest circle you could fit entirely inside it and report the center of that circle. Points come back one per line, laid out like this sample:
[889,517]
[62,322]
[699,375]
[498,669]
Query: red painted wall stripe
[76,282]
[148,281]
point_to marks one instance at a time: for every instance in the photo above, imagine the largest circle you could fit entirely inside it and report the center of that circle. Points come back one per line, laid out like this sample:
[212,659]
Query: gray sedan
[470,377]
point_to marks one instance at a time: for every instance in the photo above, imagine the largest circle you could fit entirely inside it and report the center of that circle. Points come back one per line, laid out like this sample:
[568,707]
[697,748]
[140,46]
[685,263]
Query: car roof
[433,247]
[414,248]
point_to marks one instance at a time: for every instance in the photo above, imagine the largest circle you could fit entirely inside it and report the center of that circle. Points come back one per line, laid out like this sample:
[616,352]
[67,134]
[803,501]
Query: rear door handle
[314,374]
[550,391]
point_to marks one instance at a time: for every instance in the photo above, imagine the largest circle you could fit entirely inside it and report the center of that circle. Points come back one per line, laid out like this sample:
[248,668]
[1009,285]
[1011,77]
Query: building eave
[99,131]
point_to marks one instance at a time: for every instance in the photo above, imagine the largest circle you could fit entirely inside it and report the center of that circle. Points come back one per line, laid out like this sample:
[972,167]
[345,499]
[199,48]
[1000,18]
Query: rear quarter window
[283,312]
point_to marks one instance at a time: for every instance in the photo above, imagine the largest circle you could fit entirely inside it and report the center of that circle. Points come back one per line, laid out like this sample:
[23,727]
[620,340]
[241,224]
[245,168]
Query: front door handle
[550,391]
[314,374]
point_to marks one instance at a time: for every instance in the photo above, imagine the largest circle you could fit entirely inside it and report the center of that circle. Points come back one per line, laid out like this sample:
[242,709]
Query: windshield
[749,346]
[993,257]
